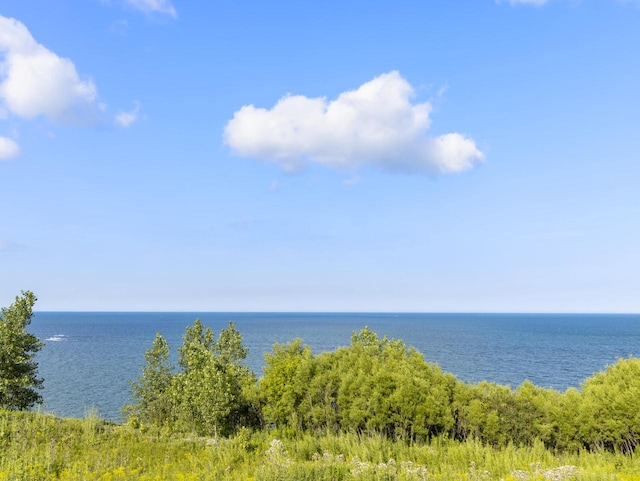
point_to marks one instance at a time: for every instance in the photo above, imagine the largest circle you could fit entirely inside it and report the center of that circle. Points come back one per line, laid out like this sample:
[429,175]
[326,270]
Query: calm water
[89,357]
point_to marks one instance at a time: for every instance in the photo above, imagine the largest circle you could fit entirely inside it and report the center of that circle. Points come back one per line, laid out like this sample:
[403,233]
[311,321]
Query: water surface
[89,357]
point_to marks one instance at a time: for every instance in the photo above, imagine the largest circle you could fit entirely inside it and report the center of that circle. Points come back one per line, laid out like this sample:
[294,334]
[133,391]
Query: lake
[90,357]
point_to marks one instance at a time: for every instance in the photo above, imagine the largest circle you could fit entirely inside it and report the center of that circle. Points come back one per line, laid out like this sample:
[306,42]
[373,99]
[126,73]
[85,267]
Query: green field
[36,446]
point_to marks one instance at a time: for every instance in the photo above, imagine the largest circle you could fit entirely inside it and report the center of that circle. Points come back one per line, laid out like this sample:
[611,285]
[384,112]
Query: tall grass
[38,446]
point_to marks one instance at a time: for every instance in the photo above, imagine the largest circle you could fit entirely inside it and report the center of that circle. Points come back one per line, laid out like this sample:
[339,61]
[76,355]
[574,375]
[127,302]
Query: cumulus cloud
[37,82]
[126,119]
[164,7]
[8,148]
[375,125]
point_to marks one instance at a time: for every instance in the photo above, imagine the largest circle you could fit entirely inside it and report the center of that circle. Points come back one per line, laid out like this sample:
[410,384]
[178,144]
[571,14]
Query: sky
[406,156]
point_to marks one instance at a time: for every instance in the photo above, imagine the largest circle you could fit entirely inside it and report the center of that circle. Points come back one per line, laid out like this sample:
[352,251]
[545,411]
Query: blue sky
[321,156]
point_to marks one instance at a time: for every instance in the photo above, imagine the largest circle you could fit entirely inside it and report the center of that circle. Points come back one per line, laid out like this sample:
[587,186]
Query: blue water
[89,357]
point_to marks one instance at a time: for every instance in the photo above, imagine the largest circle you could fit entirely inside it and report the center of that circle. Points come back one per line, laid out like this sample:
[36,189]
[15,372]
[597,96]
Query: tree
[18,368]
[285,383]
[150,391]
[609,411]
[213,393]
[389,388]
[209,394]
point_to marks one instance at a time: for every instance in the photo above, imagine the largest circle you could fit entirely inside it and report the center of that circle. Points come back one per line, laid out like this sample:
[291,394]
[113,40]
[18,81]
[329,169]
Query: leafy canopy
[18,368]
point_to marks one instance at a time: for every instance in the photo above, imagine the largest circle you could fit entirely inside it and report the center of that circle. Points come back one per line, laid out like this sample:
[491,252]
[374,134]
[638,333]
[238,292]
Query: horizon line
[188,311]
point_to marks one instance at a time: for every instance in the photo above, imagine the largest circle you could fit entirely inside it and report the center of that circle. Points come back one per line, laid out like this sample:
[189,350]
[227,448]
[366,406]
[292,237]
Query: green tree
[18,368]
[230,355]
[197,347]
[566,423]
[609,414]
[285,383]
[489,413]
[536,417]
[389,388]
[319,406]
[229,348]
[150,391]
[209,394]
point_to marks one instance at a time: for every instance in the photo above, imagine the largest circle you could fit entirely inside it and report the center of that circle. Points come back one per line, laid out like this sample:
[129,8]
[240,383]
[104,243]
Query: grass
[37,446]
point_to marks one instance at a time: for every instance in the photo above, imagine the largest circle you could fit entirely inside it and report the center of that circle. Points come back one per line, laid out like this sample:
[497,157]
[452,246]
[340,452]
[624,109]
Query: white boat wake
[57,338]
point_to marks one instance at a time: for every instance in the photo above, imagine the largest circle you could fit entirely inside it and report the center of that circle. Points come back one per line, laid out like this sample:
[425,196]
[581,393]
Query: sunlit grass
[37,446]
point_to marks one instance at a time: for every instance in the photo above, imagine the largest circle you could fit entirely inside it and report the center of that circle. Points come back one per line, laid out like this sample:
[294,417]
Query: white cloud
[126,119]
[164,7]
[375,125]
[8,148]
[37,82]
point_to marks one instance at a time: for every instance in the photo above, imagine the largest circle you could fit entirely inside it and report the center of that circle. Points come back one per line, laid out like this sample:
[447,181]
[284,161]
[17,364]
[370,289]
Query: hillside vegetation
[39,447]
[373,410]
[377,388]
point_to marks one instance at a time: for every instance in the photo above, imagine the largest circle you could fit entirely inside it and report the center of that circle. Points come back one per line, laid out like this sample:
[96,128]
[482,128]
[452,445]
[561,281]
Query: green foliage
[564,413]
[40,447]
[197,347]
[390,389]
[610,407]
[150,392]
[212,393]
[373,386]
[376,387]
[209,393]
[604,415]
[229,348]
[319,409]
[285,382]
[18,369]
